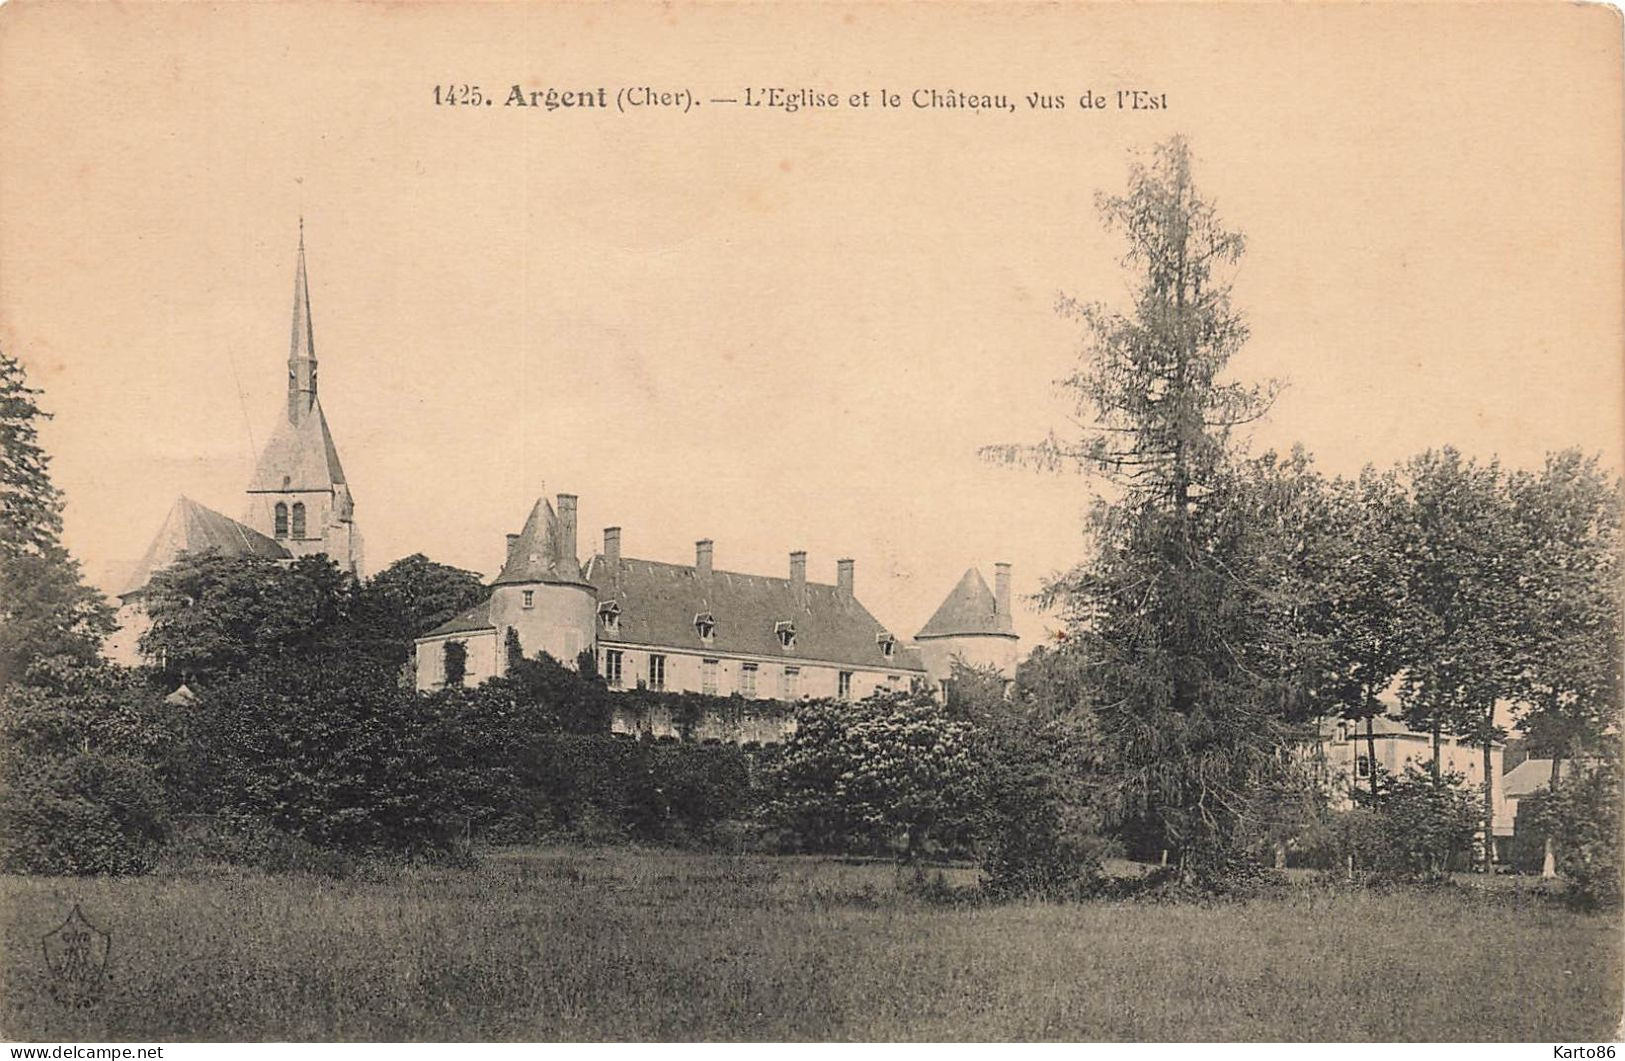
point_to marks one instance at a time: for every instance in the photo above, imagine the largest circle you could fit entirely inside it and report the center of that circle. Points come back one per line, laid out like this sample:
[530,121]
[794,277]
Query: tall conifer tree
[1176,613]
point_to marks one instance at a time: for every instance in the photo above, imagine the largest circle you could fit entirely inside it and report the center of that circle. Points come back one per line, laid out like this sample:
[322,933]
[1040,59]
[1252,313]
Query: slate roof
[476,620]
[1381,726]
[538,555]
[302,342]
[299,456]
[1389,726]
[968,609]
[659,602]
[192,528]
[1530,776]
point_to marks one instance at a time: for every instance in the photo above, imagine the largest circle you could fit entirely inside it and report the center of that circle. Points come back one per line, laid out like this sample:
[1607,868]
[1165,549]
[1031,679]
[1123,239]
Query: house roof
[969,609]
[192,528]
[1381,726]
[475,620]
[659,602]
[539,553]
[299,456]
[1529,776]
[1387,726]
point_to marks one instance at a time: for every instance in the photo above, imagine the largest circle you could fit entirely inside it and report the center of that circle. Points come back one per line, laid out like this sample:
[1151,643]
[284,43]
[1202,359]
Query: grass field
[616,944]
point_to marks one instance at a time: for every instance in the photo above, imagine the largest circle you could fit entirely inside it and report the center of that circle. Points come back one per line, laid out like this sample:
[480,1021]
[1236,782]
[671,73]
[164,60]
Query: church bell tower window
[281,519]
[298,519]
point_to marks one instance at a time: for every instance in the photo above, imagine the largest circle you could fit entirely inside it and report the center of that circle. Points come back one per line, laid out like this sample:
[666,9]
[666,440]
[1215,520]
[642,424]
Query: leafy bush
[332,751]
[602,789]
[1582,816]
[1038,836]
[1417,830]
[81,814]
[238,840]
[80,792]
[891,770]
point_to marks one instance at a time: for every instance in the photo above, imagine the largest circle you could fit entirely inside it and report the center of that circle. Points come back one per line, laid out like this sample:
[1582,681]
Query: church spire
[302,346]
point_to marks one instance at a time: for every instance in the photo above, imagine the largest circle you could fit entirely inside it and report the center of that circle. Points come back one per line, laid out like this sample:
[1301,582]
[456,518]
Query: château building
[686,627]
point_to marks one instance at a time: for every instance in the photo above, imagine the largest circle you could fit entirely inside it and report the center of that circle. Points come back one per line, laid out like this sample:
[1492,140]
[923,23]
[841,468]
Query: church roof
[192,528]
[969,609]
[299,456]
[538,555]
[302,342]
[659,603]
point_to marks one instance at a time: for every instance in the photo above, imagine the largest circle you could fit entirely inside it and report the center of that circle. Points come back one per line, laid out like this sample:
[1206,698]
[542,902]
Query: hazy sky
[778,330]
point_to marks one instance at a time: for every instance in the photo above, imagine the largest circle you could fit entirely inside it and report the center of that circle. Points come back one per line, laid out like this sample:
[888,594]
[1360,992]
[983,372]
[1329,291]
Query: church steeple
[298,496]
[302,345]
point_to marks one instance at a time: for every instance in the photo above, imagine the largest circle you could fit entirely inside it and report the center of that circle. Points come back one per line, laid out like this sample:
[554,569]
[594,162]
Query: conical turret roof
[538,554]
[969,609]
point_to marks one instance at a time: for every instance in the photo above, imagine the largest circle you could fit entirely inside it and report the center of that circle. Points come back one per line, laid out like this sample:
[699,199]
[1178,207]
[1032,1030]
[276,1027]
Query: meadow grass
[584,944]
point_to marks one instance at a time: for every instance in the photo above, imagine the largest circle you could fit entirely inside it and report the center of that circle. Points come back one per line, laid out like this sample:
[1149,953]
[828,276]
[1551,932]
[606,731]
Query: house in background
[1525,779]
[1346,757]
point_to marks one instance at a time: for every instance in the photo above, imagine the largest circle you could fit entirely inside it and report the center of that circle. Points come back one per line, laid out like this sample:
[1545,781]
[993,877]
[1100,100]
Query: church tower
[298,495]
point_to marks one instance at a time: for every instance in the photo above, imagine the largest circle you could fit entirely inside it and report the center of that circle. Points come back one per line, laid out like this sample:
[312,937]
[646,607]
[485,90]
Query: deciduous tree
[1570,696]
[1466,572]
[77,792]
[213,615]
[408,599]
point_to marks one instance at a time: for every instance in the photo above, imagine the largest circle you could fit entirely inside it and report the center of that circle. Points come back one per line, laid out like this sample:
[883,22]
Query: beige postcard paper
[744,292]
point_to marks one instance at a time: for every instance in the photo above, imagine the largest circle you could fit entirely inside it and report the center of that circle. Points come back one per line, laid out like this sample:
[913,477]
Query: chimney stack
[567,525]
[1001,589]
[612,543]
[798,570]
[702,556]
[843,576]
[513,539]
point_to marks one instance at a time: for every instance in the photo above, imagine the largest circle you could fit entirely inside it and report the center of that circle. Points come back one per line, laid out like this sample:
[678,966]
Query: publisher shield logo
[76,955]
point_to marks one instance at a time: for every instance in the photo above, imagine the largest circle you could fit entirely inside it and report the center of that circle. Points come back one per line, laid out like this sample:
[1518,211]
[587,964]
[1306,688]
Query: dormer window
[609,617]
[887,643]
[705,624]
[785,631]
